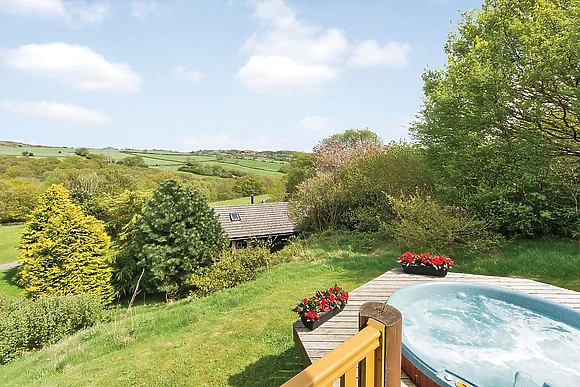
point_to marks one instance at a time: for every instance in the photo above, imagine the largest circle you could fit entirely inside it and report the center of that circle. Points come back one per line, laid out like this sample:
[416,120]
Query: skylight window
[235,217]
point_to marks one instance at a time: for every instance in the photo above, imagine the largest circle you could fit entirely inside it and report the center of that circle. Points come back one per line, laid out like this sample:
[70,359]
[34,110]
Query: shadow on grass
[8,285]
[269,370]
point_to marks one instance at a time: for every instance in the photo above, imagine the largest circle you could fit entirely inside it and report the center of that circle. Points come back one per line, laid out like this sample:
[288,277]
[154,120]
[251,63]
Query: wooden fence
[373,354]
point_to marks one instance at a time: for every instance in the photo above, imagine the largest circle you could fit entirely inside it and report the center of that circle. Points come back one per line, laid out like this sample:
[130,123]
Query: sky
[215,74]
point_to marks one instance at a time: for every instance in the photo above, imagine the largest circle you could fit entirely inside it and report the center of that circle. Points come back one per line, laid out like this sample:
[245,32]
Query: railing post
[387,367]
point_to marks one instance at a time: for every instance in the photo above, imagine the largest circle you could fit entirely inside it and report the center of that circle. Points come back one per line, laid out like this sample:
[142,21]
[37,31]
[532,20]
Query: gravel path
[6,266]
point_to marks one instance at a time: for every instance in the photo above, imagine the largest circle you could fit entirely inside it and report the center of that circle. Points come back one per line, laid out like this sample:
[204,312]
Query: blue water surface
[487,340]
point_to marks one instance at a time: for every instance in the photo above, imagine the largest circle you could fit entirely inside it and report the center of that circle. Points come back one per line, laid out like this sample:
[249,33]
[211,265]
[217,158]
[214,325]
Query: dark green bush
[27,324]
[177,233]
[235,266]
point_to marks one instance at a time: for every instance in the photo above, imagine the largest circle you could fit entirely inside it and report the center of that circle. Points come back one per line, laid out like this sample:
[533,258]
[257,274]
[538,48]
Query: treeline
[496,152]
[279,155]
[90,181]
[401,191]
[207,169]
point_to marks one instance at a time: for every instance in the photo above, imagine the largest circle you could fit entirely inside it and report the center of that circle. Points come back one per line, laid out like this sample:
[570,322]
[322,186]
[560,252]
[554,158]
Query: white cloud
[76,13]
[65,114]
[288,55]
[369,54]
[73,65]
[315,124]
[183,74]
[146,9]
[281,74]
[80,13]
[43,8]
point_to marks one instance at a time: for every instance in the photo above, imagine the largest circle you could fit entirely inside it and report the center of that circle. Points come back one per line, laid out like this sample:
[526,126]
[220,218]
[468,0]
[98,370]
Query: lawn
[7,285]
[236,337]
[243,335]
[9,236]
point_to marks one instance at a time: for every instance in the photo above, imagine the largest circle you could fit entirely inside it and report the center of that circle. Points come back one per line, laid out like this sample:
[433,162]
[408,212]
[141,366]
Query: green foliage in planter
[424,225]
[27,324]
[234,266]
[63,251]
[177,233]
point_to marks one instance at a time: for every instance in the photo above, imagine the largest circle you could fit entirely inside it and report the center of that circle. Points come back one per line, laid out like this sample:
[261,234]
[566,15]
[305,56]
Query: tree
[300,168]
[62,251]
[513,68]
[353,138]
[338,149]
[177,233]
[135,161]
[249,184]
[17,198]
[501,111]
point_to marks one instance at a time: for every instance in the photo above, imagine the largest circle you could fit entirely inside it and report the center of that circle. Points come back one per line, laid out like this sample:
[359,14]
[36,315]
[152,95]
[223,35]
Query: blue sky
[207,74]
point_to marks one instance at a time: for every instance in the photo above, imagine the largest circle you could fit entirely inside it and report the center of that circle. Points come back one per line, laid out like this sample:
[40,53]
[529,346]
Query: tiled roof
[256,220]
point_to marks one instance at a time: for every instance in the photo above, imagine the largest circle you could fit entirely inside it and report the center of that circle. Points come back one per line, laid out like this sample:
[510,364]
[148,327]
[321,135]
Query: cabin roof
[261,220]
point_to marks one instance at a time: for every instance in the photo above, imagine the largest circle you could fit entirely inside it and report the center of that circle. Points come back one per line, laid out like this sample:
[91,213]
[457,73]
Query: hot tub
[466,334]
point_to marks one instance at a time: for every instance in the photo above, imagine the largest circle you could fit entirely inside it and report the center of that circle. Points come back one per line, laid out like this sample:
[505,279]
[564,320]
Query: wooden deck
[312,345]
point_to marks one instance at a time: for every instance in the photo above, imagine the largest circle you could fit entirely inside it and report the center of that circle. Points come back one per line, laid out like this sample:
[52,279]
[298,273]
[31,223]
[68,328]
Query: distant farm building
[256,221]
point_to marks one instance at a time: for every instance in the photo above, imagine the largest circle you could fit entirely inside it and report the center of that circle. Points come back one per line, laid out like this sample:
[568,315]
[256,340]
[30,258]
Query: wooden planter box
[424,270]
[313,324]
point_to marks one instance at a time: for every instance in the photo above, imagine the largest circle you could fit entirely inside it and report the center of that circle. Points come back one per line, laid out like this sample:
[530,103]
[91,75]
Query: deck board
[312,345]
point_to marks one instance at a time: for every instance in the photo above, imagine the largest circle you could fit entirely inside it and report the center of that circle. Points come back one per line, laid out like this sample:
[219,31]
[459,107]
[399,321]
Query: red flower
[312,315]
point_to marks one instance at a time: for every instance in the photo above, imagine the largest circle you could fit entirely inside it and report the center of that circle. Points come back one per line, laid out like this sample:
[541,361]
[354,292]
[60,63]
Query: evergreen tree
[177,233]
[63,251]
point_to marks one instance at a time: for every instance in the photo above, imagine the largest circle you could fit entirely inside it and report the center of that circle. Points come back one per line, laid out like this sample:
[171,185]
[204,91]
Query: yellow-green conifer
[63,251]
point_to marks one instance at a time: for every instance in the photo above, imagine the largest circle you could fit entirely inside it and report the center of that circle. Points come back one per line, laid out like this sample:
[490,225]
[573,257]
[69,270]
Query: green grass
[244,200]
[9,237]
[8,287]
[37,151]
[239,337]
[242,336]
[552,261]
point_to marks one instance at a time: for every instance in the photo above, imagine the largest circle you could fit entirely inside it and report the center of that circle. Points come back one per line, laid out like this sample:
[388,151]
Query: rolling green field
[165,160]
[9,236]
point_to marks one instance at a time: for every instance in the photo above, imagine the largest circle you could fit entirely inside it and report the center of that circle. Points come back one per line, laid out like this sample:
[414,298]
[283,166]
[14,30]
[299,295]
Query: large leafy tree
[513,68]
[63,251]
[177,233]
[503,109]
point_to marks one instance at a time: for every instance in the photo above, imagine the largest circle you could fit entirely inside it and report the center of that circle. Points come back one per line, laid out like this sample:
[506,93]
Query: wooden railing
[376,349]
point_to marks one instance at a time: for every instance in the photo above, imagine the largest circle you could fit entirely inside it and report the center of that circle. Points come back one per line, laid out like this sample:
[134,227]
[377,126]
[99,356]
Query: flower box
[425,264]
[324,317]
[319,308]
[425,270]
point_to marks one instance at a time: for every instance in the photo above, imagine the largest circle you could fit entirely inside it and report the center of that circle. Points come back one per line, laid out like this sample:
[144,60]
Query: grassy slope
[244,200]
[237,337]
[9,236]
[552,261]
[243,335]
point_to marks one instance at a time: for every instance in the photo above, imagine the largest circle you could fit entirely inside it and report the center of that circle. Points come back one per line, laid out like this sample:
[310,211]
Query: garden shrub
[234,266]
[63,251]
[424,225]
[27,324]
[347,190]
[177,233]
